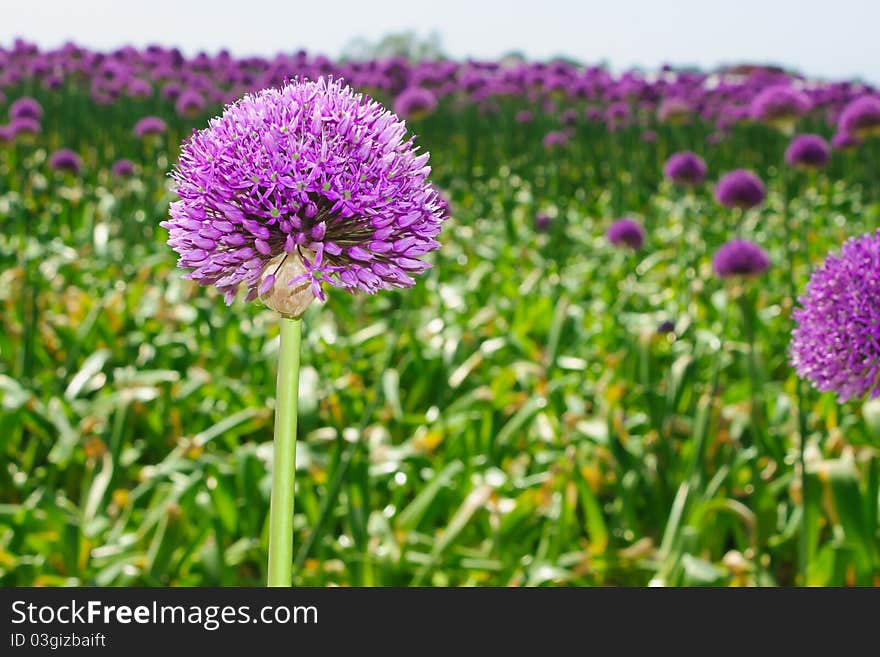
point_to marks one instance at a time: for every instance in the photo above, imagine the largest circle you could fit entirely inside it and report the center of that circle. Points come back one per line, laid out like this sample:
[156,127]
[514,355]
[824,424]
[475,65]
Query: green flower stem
[284,461]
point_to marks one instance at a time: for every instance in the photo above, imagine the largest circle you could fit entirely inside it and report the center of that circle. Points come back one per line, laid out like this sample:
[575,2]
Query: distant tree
[402,44]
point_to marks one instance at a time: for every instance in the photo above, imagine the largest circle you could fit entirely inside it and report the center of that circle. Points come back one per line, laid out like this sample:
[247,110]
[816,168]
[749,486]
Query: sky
[829,39]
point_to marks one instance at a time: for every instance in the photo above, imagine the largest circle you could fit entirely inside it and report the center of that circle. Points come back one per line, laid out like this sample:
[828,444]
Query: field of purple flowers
[595,383]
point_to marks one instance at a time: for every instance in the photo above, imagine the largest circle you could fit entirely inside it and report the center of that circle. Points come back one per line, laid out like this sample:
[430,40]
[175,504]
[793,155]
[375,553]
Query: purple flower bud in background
[149,125]
[296,187]
[26,108]
[836,341]
[569,116]
[189,103]
[808,152]
[780,105]
[24,125]
[685,169]
[740,258]
[844,141]
[740,188]
[122,168]
[648,136]
[523,116]
[626,232]
[171,91]
[542,222]
[65,160]
[415,103]
[861,117]
[674,110]
[140,89]
[555,139]
[666,326]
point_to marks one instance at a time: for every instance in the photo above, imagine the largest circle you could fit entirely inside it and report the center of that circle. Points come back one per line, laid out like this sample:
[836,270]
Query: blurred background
[563,399]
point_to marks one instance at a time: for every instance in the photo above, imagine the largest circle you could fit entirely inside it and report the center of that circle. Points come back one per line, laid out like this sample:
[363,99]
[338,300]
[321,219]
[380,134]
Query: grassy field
[518,418]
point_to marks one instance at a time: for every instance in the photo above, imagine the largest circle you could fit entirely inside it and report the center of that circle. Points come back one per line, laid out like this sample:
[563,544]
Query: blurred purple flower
[65,160]
[523,116]
[844,141]
[740,188]
[542,222]
[861,117]
[415,103]
[24,126]
[26,108]
[149,125]
[740,258]
[626,232]
[685,169]
[555,139]
[779,105]
[122,168]
[808,152]
[189,103]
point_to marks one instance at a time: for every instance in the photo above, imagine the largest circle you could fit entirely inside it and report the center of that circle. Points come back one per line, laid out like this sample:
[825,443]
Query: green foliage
[515,419]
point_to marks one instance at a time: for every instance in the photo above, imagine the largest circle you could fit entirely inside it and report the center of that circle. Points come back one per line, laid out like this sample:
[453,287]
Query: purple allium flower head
[555,139]
[523,116]
[685,168]
[301,186]
[189,103]
[626,232]
[570,116]
[861,117]
[808,152]
[666,326]
[138,88]
[740,189]
[648,136]
[26,108]
[542,222]
[674,110]
[740,258]
[65,160]
[24,126]
[122,168]
[836,340]
[149,125]
[415,103]
[844,141]
[779,104]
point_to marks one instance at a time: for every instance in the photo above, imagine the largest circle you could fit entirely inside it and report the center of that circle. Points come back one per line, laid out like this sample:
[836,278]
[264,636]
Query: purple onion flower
[740,258]
[415,103]
[555,139]
[24,126]
[26,108]
[65,160]
[290,189]
[861,117]
[542,222]
[523,116]
[845,141]
[189,103]
[808,152]
[740,189]
[148,126]
[780,105]
[674,110]
[685,169]
[122,168]
[626,232]
[836,341]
